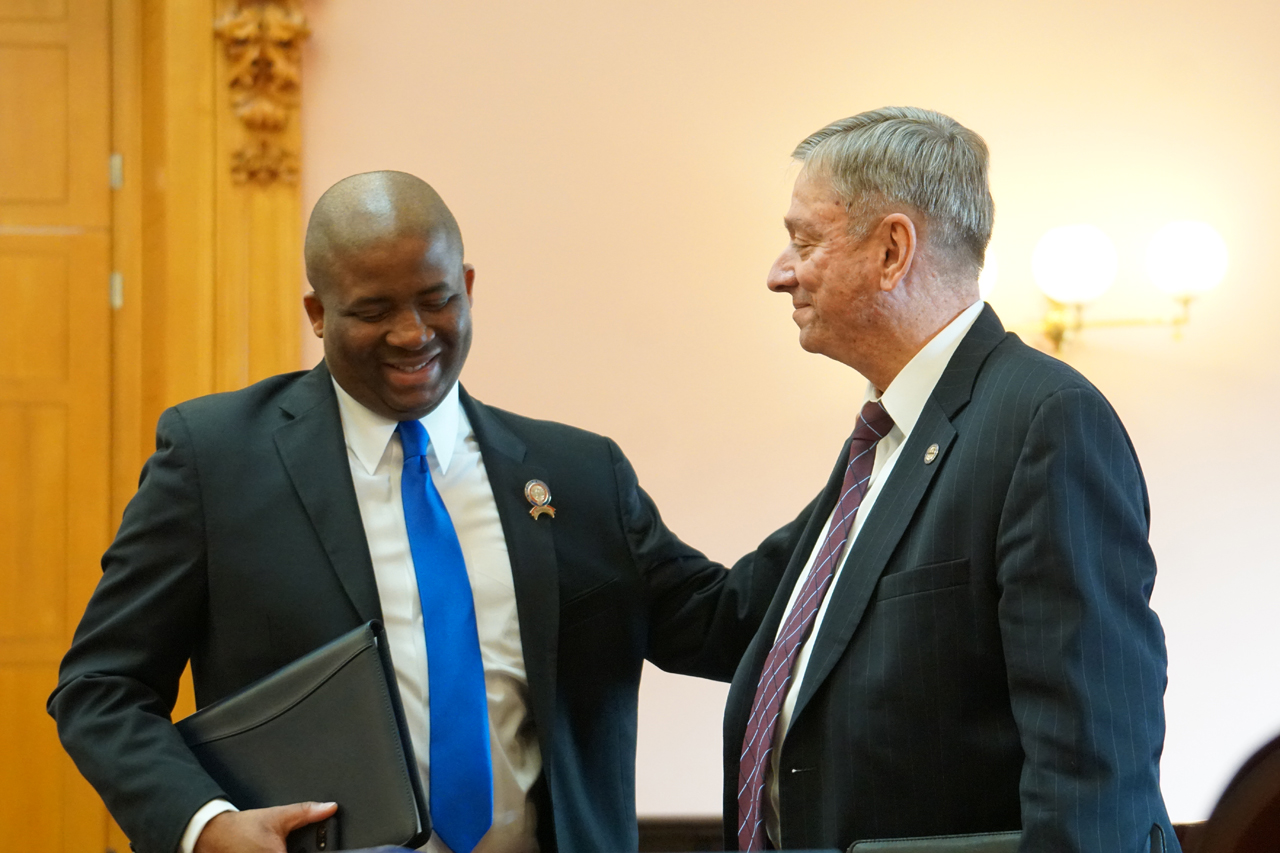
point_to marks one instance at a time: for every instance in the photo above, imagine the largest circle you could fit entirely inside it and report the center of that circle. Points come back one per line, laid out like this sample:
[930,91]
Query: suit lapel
[876,542]
[896,505]
[531,548]
[314,452]
[313,449]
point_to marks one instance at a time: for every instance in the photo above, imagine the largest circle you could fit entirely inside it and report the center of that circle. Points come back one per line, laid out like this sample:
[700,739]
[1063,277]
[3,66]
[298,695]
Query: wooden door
[55,356]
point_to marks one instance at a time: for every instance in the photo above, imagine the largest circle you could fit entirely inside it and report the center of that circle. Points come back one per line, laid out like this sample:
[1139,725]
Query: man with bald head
[377,244]
[517,565]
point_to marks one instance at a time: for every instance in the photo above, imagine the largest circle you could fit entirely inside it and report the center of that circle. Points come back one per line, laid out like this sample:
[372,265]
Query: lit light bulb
[987,278]
[1073,264]
[1185,258]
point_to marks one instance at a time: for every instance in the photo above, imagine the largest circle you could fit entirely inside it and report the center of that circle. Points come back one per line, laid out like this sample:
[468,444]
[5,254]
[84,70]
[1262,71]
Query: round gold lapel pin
[539,495]
[931,454]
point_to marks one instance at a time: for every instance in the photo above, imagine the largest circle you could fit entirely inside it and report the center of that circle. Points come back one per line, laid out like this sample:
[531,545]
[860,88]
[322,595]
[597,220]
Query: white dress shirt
[904,399]
[458,472]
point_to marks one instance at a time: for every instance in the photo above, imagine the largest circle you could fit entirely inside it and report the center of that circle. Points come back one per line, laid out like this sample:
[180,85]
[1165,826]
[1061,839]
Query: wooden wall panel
[211,265]
[27,740]
[36,291]
[211,272]
[32,10]
[55,515]
[212,262]
[257,320]
[54,113]
[33,518]
[259,212]
[34,101]
[55,395]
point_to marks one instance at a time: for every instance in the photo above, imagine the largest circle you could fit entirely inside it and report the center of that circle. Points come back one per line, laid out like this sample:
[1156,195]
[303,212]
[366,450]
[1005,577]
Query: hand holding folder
[303,827]
[326,728]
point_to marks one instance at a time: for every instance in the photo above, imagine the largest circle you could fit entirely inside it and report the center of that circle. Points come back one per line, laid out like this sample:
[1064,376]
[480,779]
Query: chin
[808,343]
[422,405]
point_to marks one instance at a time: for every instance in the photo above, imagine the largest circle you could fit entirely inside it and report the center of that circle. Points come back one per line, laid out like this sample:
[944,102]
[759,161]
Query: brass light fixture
[1075,264]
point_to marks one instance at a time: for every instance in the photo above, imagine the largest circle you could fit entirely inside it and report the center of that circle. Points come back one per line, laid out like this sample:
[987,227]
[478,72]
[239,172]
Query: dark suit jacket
[244,549]
[988,659]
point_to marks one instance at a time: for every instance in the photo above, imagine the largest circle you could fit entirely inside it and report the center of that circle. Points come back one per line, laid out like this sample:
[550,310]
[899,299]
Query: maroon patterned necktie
[874,424]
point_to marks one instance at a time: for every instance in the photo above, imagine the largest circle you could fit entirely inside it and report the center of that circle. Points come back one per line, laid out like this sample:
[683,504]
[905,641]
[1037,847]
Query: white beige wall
[620,172]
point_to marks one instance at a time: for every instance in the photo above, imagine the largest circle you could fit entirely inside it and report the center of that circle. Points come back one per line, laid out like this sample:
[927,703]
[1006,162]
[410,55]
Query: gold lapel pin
[931,454]
[539,495]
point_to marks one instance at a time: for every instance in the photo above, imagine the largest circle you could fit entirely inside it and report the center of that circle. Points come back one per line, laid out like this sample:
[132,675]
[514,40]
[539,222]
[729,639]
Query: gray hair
[908,156]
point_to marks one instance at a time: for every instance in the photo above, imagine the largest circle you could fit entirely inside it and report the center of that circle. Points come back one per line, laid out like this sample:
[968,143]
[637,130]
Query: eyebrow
[367,302]
[430,289]
[795,226]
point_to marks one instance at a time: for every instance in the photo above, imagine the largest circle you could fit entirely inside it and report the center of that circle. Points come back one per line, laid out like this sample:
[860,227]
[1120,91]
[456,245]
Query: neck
[912,328]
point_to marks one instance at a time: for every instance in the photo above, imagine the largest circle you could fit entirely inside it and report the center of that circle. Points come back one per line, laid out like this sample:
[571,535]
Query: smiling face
[834,280]
[395,317]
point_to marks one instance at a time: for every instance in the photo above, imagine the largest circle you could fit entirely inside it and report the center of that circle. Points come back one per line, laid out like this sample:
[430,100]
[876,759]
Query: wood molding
[263,49]
[211,263]
[258,242]
[659,834]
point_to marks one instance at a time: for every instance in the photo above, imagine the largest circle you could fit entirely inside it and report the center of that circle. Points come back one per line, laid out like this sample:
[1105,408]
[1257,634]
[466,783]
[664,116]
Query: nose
[782,275]
[408,331]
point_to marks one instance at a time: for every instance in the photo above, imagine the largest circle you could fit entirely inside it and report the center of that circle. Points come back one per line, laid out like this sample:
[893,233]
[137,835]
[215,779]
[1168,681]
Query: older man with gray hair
[962,641]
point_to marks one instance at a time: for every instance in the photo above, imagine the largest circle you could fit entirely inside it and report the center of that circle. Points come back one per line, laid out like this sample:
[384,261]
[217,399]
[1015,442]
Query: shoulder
[260,405]
[546,435]
[1022,394]
[564,451]
[993,372]
[1018,377]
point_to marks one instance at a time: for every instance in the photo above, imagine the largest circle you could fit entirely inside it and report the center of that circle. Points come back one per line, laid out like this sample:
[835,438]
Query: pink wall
[620,172]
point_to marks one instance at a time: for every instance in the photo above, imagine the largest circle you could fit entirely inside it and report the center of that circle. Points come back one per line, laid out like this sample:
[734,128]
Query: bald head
[392,298]
[372,209]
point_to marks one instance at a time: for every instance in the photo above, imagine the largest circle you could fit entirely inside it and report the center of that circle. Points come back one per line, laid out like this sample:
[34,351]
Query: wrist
[200,820]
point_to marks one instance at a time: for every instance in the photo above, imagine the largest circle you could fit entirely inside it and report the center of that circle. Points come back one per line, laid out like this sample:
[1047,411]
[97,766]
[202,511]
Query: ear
[469,276]
[900,242]
[315,312]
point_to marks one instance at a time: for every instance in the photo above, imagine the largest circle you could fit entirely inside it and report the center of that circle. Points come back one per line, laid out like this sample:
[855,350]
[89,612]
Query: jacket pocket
[598,600]
[929,578]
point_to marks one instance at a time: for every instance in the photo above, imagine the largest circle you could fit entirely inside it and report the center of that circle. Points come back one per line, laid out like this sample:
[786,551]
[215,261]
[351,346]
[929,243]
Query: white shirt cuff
[199,820]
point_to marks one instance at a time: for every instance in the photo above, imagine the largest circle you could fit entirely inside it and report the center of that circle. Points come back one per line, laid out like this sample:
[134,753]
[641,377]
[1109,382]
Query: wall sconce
[1075,264]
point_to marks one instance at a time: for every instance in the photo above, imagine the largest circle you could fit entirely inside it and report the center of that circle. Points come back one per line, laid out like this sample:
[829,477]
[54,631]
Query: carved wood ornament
[263,40]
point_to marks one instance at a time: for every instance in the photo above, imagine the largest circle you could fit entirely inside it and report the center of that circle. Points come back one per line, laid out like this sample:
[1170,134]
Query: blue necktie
[461,769]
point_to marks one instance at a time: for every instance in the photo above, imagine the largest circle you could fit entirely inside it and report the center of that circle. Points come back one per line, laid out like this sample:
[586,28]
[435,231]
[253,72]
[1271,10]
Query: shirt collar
[369,433]
[905,397]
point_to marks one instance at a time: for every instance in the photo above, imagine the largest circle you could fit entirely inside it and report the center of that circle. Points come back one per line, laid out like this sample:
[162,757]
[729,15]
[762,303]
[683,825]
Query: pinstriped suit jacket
[988,660]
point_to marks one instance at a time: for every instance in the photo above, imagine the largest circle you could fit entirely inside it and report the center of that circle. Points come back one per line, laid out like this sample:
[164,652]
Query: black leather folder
[986,842]
[328,727]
